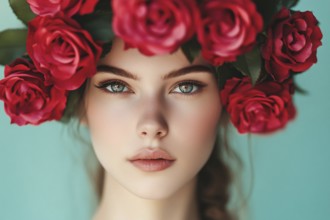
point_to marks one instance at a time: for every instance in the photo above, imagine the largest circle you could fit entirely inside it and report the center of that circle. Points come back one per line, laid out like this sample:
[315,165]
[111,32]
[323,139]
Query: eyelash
[198,87]
[103,85]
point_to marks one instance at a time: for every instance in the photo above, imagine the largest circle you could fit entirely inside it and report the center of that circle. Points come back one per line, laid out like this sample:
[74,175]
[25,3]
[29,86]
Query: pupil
[186,88]
[117,88]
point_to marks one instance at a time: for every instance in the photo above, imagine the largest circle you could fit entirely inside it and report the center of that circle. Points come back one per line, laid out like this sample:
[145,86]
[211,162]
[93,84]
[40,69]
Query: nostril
[155,134]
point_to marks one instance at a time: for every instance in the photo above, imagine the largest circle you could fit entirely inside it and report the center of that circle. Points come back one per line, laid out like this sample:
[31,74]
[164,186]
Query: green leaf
[288,3]
[299,89]
[98,25]
[190,52]
[249,64]
[225,72]
[106,47]
[103,5]
[22,10]
[191,49]
[269,8]
[12,45]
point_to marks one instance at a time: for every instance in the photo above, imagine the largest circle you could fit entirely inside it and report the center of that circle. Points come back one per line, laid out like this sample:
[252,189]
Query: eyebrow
[187,70]
[172,74]
[116,71]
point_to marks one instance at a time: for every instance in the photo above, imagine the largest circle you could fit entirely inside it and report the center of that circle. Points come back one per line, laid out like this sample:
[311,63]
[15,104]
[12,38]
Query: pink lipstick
[152,160]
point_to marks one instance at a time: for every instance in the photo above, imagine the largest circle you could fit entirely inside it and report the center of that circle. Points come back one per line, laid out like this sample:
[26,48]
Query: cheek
[200,120]
[103,120]
[108,129]
[197,128]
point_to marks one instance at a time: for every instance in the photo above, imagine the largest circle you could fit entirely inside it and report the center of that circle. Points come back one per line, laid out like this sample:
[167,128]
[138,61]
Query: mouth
[149,160]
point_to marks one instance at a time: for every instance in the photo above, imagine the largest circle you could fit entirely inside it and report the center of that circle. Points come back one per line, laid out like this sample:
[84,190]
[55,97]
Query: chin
[159,194]
[160,190]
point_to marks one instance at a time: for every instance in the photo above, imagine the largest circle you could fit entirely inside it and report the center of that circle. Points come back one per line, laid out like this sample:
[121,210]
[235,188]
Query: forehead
[133,61]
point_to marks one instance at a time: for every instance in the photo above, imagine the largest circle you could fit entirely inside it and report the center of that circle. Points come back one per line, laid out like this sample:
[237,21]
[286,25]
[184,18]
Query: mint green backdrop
[46,175]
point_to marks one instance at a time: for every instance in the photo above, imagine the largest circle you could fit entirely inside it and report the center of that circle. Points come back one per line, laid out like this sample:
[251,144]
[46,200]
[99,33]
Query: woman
[153,112]
[153,124]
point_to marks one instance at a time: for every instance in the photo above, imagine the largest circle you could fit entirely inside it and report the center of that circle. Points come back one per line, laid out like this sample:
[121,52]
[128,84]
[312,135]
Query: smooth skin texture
[136,102]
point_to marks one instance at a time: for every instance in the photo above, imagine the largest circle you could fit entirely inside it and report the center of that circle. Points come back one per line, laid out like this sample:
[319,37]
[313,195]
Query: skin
[151,112]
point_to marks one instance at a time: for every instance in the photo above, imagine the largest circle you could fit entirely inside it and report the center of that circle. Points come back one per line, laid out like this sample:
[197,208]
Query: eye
[114,86]
[188,87]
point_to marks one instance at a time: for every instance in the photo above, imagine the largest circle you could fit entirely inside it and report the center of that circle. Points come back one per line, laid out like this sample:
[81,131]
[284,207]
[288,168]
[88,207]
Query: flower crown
[257,47]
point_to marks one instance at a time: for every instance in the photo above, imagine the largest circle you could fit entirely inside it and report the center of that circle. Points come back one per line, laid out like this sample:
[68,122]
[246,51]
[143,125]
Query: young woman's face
[153,120]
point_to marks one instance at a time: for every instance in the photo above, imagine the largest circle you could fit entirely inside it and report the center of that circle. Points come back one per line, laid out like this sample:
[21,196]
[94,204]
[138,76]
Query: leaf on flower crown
[12,45]
[269,8]
[299,89]
[249,64]
[22,10]
[98,25]
[225,72]
[191,49]
[287,3]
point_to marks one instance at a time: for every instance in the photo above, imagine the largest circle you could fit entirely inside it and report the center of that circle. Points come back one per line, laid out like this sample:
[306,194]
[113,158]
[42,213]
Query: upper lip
[152,154]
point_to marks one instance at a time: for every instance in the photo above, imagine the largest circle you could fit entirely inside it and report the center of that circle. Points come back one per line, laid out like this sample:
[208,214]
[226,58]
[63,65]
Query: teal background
[46,175]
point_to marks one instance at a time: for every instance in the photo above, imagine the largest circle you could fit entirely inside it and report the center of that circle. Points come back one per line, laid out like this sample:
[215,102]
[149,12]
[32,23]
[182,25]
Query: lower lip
[149,165]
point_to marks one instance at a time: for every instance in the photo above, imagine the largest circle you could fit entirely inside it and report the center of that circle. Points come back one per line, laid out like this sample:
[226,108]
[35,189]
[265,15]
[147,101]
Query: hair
[214,180]
[217,177]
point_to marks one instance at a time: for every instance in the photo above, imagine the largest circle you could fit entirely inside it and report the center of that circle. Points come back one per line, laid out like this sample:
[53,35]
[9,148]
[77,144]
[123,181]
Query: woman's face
[153,120]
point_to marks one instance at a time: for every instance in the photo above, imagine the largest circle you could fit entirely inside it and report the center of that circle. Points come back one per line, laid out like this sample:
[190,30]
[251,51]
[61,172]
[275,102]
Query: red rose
[291,44]
[62,50]
[27,99]
[68,7]
[155,26]
[228,29]
[266,107]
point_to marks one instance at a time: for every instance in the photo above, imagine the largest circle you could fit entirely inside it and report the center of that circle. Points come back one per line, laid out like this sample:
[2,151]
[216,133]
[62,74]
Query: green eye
[188,87]
[114,86]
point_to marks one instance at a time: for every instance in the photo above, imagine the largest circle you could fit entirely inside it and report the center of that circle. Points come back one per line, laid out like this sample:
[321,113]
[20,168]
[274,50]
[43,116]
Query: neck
[119,204]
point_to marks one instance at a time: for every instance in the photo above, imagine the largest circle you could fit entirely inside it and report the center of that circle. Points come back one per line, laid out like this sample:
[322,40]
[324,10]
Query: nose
[152,123]
[152,130]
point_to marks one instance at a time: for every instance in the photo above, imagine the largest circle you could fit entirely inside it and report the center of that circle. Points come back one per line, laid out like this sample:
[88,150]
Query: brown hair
[216,178]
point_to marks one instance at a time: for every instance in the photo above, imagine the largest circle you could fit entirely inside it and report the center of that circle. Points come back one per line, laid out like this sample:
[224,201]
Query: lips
[152,160]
